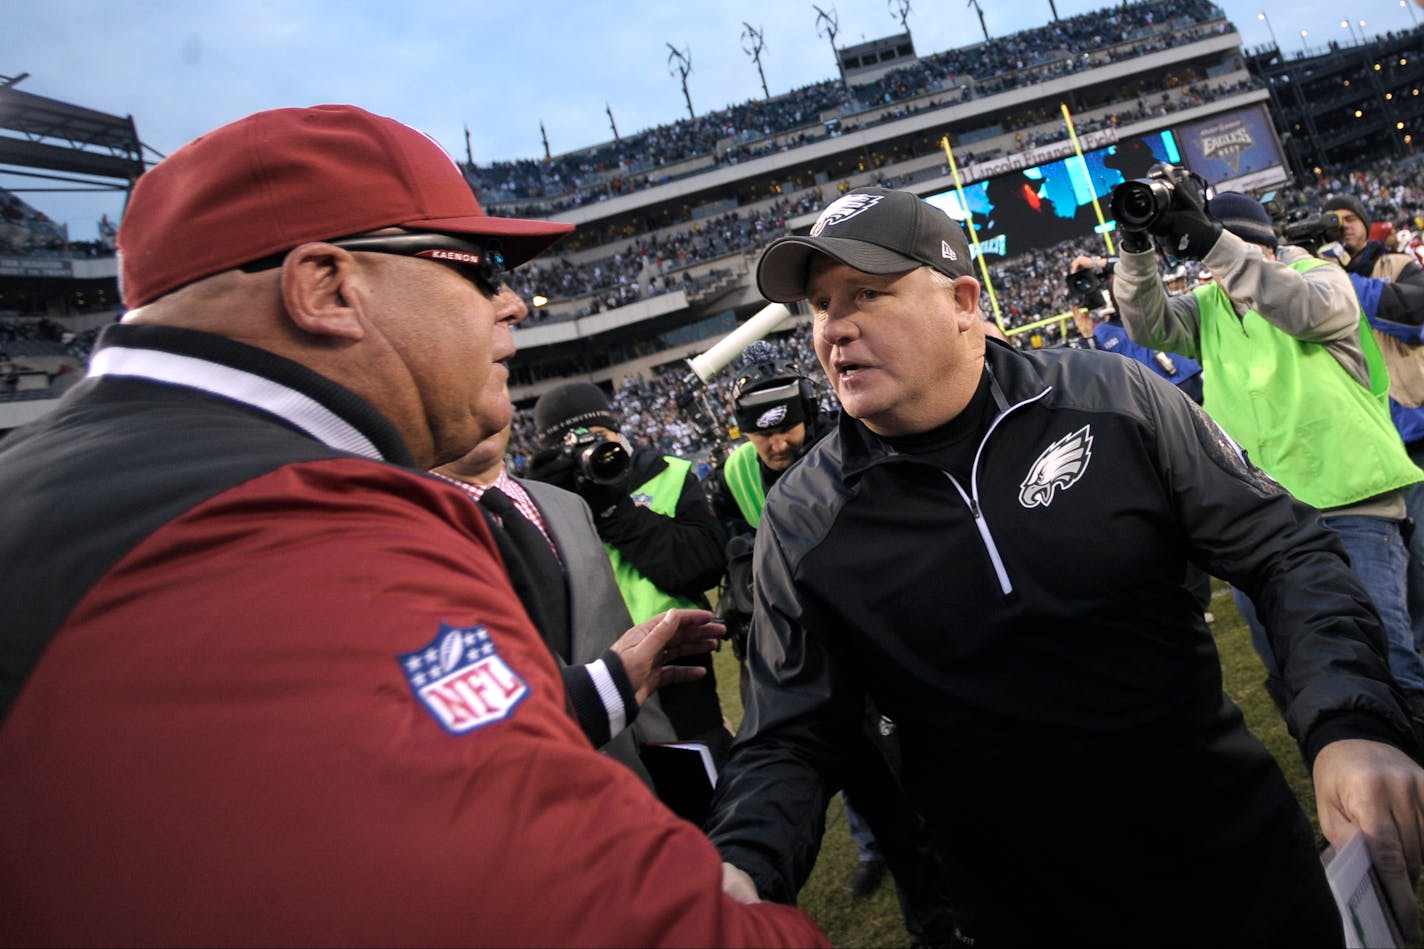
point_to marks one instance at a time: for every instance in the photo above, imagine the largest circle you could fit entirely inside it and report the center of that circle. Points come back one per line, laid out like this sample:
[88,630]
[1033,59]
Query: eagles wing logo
[772,417]
[1058,467]
[843,209]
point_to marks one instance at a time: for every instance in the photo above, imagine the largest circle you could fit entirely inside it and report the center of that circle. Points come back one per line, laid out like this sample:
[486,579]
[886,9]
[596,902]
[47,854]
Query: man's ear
[320,291]
[966,300]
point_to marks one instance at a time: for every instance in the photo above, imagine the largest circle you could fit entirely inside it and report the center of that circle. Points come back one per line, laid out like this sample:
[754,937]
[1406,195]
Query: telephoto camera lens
[1137,204]
[600,460]
[604,463]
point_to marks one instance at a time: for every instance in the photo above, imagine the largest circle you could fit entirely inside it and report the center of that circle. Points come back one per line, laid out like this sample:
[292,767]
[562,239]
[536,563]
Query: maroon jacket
[260,690]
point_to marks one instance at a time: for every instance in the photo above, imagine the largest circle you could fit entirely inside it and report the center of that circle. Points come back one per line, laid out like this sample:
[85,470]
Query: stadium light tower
[1267,20]
[980,10]
[753,36]
[900,9]
[1304,50]
[1410,7]
[683,58]
[827,25]
[1054,7]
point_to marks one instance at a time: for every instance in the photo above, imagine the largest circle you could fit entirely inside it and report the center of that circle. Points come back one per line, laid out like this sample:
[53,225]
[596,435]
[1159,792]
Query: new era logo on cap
[873,230]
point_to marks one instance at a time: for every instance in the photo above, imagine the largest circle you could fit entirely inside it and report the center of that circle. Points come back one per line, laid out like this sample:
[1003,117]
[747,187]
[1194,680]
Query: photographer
[1391,291]
[665,546]
[1095,316]
[775,406]
[575,604]
[1288,374]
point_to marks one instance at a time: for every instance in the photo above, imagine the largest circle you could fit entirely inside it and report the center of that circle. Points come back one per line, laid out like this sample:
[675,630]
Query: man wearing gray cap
[263,681]
[945,553]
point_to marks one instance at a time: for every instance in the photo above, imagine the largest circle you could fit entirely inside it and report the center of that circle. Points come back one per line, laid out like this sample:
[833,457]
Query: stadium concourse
[670,220]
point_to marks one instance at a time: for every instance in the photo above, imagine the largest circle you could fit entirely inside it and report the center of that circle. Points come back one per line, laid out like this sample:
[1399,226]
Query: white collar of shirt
[288,404]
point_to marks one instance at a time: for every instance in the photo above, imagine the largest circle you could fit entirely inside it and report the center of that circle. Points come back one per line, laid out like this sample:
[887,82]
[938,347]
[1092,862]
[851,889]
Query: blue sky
[181,67]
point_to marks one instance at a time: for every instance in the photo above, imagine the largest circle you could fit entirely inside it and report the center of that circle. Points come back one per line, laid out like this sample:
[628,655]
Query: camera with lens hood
[1089,286]
[1140,203]
[599,459]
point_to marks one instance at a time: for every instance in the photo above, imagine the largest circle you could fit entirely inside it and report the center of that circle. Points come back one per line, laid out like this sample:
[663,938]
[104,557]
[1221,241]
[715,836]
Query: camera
[1312,230]
[1139,203]
[1089,287]
[600,460]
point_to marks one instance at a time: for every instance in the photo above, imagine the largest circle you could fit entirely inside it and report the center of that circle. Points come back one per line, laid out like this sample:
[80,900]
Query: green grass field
[876,921]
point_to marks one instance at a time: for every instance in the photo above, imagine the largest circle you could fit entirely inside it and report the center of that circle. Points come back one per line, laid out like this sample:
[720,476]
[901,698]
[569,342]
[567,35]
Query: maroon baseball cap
[281,178]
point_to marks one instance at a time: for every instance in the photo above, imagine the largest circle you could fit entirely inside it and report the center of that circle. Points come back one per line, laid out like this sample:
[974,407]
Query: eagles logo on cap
[843,209]
[904,233]
[772,417]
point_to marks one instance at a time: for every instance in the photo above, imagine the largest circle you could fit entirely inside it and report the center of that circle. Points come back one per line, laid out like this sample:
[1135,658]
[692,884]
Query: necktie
[534,570]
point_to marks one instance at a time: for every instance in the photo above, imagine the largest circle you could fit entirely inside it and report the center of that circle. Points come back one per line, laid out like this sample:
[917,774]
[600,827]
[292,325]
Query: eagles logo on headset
[772,395]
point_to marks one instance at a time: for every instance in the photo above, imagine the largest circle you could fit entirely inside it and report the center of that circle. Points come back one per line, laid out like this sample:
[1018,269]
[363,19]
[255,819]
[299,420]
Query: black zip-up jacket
[1057,692]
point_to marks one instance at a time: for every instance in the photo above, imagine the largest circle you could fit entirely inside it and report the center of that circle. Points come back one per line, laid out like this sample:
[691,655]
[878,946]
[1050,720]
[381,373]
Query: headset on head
[761,375]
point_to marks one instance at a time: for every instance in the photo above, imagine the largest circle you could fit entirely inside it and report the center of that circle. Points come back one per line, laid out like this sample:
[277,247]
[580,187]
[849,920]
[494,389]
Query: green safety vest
[1303,419]
[643,598]
[742,475]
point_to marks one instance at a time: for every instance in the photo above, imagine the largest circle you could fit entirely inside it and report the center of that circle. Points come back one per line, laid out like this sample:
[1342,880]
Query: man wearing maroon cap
[274,685]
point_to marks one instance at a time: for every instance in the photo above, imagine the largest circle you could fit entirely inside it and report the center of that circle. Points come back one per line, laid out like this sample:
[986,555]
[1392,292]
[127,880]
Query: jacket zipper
[971,498]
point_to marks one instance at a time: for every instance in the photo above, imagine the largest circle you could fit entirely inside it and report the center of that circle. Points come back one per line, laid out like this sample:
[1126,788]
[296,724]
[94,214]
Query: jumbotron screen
[1036,207]
[1032,208]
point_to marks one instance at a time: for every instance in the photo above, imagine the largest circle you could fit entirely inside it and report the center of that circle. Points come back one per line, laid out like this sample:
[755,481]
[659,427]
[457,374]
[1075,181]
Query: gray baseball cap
[874,230]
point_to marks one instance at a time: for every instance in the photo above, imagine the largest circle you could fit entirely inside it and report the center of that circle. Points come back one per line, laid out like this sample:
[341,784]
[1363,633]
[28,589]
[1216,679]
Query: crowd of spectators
[749,129]
[1029,289]
[25,231]
[655,263]
[648,265]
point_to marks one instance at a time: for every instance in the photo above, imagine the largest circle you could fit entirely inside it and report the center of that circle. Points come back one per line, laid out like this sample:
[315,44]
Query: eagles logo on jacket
[1057,693]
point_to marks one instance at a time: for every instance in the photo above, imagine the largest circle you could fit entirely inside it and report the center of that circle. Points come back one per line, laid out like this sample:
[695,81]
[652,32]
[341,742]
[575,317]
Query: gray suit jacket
[597,614]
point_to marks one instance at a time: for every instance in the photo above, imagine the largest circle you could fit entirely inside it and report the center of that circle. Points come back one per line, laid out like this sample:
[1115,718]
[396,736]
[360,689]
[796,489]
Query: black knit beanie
[1243,216]
[570,406]
[1348,202]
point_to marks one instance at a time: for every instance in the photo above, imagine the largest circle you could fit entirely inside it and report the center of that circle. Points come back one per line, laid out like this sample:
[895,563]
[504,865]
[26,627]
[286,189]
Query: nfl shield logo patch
[461,679]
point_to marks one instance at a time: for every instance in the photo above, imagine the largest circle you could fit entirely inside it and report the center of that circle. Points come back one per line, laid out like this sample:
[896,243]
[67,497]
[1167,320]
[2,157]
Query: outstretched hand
[1377,790]
[648,648]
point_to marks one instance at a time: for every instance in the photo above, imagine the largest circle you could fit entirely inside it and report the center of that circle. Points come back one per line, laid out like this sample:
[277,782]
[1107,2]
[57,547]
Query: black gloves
[1184,228]
[603,498]
[553,466]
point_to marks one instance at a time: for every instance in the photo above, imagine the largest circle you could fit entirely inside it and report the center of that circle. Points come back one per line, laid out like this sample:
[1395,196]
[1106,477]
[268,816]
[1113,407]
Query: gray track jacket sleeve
[1317,305]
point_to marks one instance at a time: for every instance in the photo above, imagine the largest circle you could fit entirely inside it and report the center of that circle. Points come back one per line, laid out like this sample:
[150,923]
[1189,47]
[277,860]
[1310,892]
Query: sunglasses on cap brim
[482,263]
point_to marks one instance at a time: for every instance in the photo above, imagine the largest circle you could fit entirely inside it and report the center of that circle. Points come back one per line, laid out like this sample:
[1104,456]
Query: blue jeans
[1379,558]
[1414,577]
